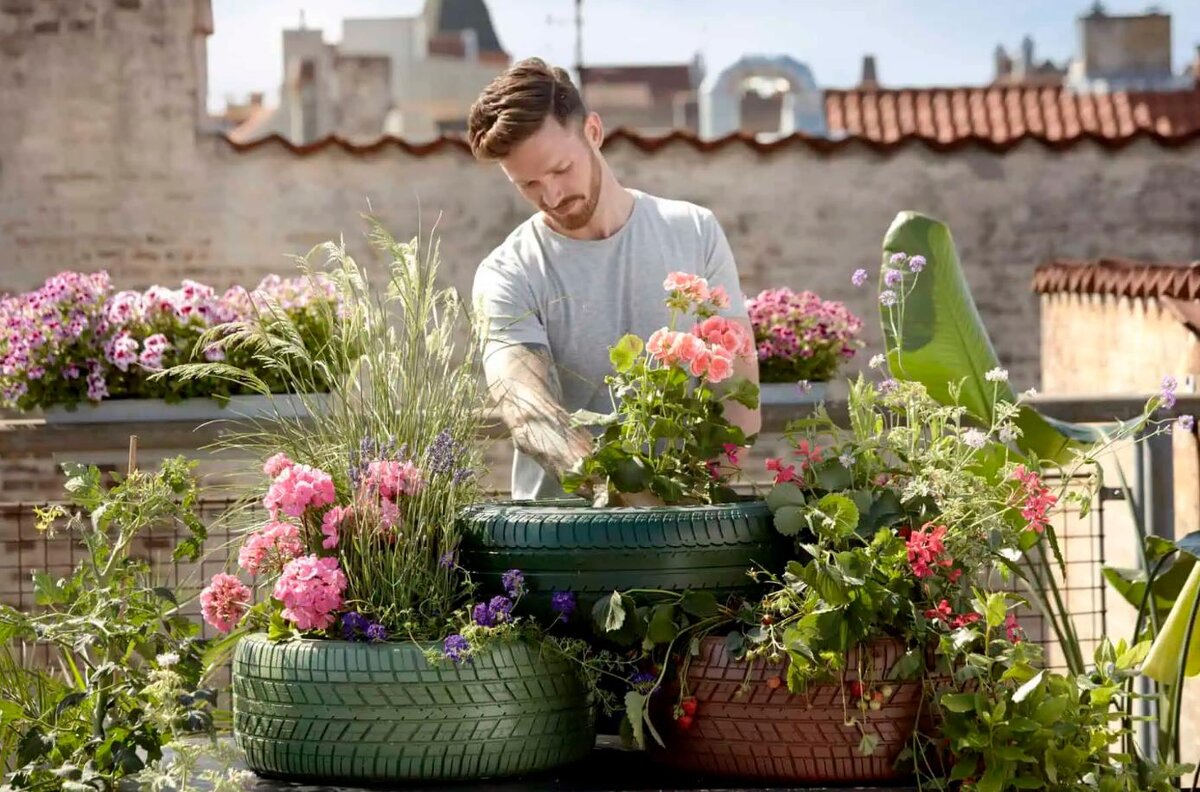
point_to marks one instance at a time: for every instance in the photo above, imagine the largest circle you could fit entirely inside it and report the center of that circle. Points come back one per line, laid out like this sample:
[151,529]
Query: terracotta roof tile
[1119,277]
[1005,113]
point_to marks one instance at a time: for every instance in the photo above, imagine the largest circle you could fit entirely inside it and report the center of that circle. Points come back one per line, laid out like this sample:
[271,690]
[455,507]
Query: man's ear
[593,129]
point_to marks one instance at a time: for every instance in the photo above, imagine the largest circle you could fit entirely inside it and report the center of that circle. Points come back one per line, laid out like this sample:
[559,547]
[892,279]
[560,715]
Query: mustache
[564,202]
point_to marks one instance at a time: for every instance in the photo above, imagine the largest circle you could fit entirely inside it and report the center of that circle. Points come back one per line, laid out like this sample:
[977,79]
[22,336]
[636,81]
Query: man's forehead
[545,150]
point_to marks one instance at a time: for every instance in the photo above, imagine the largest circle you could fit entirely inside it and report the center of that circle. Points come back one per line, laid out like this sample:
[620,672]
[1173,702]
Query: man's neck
[612,213]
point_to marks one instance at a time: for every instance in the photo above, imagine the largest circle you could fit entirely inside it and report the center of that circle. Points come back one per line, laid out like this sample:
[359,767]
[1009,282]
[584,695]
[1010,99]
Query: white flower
[997,375]
[847,460]
[167,659]
[974,438]
[1008,434]
[804,386]
[1029,394]
[877,361]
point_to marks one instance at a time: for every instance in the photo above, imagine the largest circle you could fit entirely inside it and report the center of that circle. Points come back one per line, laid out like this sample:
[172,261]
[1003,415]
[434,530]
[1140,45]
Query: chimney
[870,79]
[1004,63]
[256,99]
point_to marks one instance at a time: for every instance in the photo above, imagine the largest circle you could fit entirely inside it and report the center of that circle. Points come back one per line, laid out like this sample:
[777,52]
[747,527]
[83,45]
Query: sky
[915,42]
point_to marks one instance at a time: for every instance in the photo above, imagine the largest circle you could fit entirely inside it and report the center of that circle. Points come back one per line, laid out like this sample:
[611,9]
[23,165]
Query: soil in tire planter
[748,725]
[570,546]
[380,712]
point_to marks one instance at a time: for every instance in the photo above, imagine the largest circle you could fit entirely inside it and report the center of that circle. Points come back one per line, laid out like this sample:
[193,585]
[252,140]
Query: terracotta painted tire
[768,733]
[380,712]
[570,546]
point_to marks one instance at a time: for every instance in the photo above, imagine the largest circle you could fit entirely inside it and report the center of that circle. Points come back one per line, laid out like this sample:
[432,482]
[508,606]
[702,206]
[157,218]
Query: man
[575,277]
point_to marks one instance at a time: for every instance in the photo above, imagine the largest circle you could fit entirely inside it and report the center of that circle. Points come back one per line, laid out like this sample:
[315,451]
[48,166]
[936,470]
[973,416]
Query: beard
[576,211]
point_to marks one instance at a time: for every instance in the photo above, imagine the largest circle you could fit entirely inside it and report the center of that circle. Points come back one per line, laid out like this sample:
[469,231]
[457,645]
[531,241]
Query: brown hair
[517,103]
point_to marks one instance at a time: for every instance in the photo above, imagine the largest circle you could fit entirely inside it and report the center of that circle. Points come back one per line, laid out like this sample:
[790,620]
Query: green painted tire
[380,712]
[570,546]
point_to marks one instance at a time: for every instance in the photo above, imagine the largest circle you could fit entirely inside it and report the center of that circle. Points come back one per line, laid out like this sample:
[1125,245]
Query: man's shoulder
[675,211]
[511,255]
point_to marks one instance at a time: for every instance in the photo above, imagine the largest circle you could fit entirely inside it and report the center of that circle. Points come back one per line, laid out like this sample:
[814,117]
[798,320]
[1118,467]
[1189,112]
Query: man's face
[558,171]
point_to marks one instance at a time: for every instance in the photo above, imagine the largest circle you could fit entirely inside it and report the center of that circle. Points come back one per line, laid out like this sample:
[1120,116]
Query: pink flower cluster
[1036,499]
[791,327]
[75,325]
[945,614]
[310,589]
[695,289]
[926,548]
[269,548]
[671,348]
[393,477]
[224,601]
[298,488]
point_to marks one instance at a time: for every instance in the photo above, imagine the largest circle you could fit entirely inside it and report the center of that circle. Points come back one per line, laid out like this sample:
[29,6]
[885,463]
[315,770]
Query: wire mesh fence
[26,550]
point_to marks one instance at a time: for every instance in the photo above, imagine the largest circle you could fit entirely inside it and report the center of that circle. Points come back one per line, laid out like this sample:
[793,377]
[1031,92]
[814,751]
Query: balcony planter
[749,725]
[775,393]
[340,710]
[568,545]
[158,411]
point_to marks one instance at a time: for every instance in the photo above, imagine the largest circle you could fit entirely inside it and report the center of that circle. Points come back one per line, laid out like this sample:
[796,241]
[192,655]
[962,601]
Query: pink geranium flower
[392,477]
[691,286]
[330,525]
[224,601]
[728,334]
[277,464]
[720,367]
[270,547]
[297,488]
[310,589]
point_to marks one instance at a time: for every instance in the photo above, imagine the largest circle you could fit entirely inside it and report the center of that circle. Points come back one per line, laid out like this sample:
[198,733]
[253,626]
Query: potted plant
[81,353]
[667,435]
[801,341]
[366,657]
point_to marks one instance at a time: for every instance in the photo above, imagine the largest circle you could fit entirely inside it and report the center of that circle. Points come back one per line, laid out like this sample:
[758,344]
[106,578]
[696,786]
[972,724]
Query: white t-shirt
[577,298]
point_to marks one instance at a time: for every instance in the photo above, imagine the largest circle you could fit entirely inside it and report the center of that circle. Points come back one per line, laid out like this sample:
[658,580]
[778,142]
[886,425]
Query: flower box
[158,411]
[776,393]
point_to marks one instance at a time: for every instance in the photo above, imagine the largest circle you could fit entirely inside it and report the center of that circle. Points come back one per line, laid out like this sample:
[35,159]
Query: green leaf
[831,476]
[785,494]
[1190,544]
[47,590]
[1050,711]
[609,613]
[867,745]
[790,521]
[908,666]
[964,768]
[670,490]
[842,516]
[662,629]
[992,779]
[1023,692]
[635,705]
[631,475]
[1133,657]
[167,594]
[589,418]
[943,340]
[69,700]
[958,702]
[740,390]
[625,353]
[735,644]
[997,609]
[10,711]
[701,604]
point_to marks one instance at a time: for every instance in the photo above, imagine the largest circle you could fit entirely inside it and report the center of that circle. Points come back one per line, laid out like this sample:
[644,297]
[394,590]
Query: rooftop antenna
[302,27]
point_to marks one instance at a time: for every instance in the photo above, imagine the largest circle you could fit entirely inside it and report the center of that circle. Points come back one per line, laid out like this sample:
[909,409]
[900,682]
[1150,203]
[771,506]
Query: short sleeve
[504,299]
[719,266]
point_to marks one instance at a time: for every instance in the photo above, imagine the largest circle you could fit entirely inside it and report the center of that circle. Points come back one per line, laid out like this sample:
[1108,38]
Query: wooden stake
[132,454]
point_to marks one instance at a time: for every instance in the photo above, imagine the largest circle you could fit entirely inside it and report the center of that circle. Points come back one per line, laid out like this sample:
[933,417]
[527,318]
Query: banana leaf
[940,339]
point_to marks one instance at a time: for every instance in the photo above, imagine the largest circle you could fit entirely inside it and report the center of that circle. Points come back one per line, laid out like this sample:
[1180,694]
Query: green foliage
[1009,724]
[129,665]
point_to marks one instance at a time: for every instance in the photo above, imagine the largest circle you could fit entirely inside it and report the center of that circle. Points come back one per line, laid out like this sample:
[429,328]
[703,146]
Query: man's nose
[552,194]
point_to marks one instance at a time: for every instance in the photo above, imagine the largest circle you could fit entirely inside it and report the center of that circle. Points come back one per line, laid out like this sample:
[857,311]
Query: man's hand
[523,382]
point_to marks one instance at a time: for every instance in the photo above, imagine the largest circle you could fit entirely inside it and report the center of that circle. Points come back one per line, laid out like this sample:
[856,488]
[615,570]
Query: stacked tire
[319,709]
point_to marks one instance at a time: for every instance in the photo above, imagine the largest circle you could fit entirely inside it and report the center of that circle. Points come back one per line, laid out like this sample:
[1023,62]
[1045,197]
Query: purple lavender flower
[888,385]
[456,648]
[447,560]
[482,615]
[1167,393]
[887,298]
[500,608]
[859,277]
[1186,422]
[645,681]
[563,603]
[513,582]
[376,632]
[893,277]
[352,623]
[461,475]
[916,263]
[444,453]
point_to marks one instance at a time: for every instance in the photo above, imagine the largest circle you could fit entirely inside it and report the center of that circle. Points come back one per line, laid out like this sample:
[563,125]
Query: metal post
[1155,482]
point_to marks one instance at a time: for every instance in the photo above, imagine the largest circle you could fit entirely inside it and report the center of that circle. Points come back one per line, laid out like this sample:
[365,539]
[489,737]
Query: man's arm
[750,420]
[523,383]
